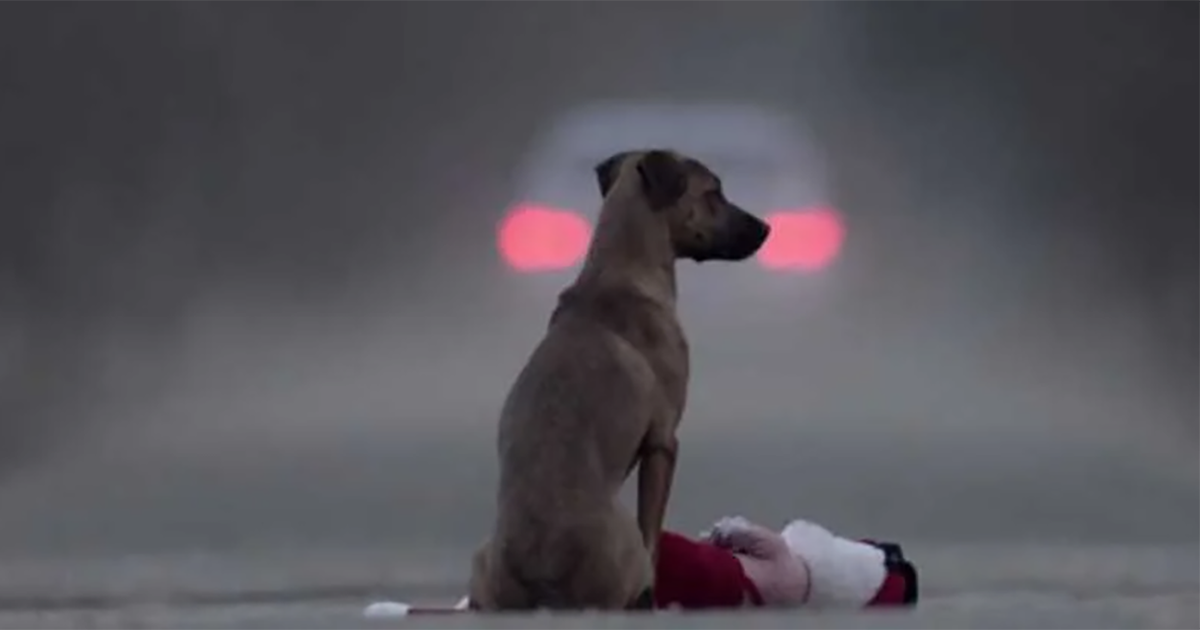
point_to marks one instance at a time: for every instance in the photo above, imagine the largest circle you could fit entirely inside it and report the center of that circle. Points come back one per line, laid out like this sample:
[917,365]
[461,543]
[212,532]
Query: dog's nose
[762,230]
[755,232]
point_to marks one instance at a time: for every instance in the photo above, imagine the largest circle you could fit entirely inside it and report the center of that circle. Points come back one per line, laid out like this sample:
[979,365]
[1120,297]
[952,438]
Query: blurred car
[767,163]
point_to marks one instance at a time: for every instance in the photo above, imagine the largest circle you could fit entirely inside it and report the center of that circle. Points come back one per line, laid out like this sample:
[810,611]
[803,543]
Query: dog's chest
[667,353]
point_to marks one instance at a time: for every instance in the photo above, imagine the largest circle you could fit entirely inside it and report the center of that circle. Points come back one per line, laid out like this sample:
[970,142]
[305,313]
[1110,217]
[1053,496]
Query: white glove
[740,535]
[727,528]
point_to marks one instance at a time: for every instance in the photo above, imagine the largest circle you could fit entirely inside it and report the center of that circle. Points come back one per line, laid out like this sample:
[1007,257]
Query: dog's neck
[631,246]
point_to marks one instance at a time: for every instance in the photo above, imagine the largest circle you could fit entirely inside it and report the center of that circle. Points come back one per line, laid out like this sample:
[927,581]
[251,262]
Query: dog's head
[704,225]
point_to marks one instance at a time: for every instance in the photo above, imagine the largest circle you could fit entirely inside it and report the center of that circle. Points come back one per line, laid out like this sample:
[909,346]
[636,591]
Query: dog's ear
[608,171]
[664,178]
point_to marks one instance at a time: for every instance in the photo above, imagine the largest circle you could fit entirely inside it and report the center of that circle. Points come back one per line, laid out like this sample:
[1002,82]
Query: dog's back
[567,441]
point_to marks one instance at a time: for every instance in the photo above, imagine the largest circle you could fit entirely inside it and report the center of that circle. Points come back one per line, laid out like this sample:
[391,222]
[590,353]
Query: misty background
[249,294]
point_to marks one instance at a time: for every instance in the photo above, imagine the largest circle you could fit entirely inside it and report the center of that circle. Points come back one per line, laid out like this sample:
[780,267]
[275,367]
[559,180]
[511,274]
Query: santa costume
[739,563]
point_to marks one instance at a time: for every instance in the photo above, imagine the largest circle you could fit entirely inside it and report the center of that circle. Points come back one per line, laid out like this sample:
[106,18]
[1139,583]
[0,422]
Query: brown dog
[603,392]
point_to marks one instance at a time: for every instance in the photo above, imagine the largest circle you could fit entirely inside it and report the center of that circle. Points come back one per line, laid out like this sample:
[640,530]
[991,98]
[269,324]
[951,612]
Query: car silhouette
[763,157]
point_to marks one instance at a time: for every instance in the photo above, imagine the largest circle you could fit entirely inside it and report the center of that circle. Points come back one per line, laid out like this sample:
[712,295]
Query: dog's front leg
[656,473]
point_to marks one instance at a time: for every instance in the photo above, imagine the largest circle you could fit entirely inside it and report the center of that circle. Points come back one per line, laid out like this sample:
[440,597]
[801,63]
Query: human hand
[727,529]
[740,535]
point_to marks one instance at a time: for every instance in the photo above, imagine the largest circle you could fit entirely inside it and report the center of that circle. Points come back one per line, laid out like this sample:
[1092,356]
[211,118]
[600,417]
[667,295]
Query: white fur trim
[386,610]
[842,572]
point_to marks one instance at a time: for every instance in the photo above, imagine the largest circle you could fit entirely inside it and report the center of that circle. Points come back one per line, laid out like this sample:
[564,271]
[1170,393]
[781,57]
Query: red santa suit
[739,563]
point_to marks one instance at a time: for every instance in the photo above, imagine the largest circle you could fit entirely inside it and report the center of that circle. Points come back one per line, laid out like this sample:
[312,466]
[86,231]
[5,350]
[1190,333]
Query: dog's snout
[746,236]
[758,231]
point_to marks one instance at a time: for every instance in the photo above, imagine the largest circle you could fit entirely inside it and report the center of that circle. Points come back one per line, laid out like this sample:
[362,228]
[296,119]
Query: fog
[249,291]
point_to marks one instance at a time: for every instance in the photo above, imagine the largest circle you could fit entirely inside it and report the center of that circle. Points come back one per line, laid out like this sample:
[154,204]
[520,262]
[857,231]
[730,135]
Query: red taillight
[803,240]
[535,238]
